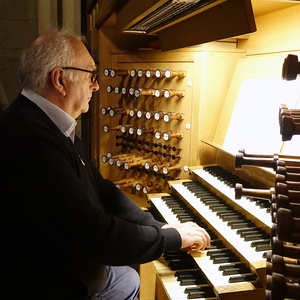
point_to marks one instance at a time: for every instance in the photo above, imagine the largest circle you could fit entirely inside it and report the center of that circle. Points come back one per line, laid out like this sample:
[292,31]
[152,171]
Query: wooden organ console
[162,123]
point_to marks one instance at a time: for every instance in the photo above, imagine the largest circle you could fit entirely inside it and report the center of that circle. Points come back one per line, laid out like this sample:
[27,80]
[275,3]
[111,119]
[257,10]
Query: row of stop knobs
[131,129]
[148,73]
[145,145]
[128,161]
[163,151]
[145,187]
[138,92]
[149,143]
[139,113]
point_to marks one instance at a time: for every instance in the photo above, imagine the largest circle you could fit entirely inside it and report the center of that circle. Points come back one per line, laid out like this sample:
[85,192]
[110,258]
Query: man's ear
[58,81]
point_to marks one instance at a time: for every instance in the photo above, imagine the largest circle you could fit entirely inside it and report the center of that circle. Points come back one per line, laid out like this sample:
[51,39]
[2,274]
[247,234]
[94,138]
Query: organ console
[249,203]
[241,229]
[251,227]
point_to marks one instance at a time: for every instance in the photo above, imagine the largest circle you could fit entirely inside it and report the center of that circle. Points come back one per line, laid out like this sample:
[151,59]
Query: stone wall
[18,28]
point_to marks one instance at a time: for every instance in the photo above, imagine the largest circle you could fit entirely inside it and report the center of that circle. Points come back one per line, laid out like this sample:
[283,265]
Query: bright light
[254,124]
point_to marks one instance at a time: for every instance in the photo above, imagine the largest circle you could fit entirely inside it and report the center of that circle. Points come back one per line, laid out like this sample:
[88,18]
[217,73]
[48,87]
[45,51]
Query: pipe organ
[162,131]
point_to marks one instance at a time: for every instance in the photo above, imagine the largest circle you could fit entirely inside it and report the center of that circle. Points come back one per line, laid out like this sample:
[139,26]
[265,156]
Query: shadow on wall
[9,86]
[3,99]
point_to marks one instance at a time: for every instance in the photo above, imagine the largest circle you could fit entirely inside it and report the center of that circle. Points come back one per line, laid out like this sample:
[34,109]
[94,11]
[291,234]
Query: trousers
[123,283]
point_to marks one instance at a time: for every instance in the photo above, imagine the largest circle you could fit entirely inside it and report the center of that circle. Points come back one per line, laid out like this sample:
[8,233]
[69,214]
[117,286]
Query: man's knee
[122,283]
[134,279]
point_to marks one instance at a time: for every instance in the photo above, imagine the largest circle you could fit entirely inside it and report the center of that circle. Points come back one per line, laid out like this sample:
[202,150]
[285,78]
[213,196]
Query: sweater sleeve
[66,212]
[121,206]
[118,203]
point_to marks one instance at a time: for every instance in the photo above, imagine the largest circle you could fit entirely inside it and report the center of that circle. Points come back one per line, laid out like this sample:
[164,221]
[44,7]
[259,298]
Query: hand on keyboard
[193,237]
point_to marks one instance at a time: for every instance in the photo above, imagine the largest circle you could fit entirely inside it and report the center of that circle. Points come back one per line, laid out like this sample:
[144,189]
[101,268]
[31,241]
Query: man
[66,232]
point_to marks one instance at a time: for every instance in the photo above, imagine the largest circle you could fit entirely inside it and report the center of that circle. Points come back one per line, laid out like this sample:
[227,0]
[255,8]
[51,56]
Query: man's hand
[192,235]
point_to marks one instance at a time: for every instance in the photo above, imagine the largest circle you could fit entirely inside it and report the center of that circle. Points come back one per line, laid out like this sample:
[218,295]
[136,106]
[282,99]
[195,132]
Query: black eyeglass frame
[94,73]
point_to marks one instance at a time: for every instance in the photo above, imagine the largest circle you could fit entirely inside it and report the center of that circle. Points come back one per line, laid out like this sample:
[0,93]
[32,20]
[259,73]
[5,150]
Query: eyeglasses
[94,73]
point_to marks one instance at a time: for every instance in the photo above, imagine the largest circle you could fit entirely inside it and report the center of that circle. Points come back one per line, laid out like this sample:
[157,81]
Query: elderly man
[66,232]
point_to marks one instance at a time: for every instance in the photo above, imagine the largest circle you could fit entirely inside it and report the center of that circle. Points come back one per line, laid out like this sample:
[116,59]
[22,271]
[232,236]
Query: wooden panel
[106,9]
[261,7]
[228,19]
[148,281]
[276,32]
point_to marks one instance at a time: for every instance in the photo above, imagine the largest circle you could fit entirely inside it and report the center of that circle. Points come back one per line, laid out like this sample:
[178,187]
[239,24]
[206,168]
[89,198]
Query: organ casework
[169,125]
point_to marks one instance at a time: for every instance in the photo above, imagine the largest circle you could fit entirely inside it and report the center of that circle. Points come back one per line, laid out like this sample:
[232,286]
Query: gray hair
[51,50]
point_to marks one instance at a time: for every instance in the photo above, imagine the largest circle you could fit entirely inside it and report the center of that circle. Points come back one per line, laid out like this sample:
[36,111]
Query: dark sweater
[61,222]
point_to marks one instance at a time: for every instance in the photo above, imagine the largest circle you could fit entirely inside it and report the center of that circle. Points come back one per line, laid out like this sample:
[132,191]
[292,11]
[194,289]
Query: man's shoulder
[19,106]
[23,118]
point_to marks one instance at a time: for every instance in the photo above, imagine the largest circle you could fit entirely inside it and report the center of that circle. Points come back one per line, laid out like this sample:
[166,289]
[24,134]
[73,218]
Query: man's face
[80,91]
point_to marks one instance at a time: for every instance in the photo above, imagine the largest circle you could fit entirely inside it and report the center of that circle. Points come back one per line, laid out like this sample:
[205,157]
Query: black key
[259,243]
[240,278]
[234,271]
[221,260]
[231,265]
[265,247]
[201,292]
[192,281]
[187,273]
